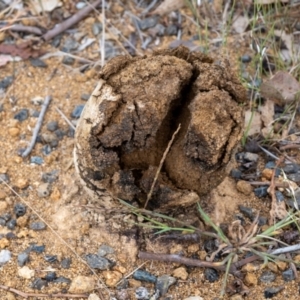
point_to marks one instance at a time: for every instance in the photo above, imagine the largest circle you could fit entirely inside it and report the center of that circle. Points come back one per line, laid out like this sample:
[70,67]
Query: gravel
[22,115]
[143,275]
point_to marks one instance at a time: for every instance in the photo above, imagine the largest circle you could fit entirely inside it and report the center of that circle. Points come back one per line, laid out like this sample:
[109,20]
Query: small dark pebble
[66,263]
[262,220]
[23,258]
[288,275]
[270,164]
[46,149]
[37,160]
[52,126]
[20,209]
[10,236]
[11,224]
[77,111]
[158,29]
[21,115]
[124,284]
[236,173]
[6,82]
[267,277]
[38,284]
[270,292]
[50,276]
[294,177]
[62,279]
[67,60]
[35,113]
[85,97]
[211,275]
[6,216]
[246,58]
[1,107]
[4,177]
[163,283]
[70,45]
[59,134]
[56,41]
[261,191]
[104,250]
[38,63]
[246,211]
[148,22]
[2,222]
[37,226]
[50,177]
[142,275]
[279,196]
[50,258]
[98,262]
[37,248]
[210,245]
[171,30]
[291,168]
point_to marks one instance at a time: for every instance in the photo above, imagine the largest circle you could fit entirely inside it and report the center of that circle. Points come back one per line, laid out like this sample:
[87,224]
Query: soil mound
[132,114]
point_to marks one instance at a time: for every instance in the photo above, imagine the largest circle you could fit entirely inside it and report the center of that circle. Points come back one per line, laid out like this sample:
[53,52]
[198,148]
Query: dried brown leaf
[168,6]
[282,88]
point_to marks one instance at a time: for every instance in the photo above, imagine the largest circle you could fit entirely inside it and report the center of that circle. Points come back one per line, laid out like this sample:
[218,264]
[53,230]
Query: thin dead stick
[70,22]
[56,234]
[22,28]
[27,295]
[290,146]
[261,183]
[37,126]
[161,164]
[65,118]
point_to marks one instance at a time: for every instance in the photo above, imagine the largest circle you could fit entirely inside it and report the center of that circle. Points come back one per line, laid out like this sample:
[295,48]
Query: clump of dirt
[132,114]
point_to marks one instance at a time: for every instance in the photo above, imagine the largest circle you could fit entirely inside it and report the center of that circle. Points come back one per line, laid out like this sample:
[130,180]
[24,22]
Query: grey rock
[62,279]
[50,177]
[104,250]
[143,275]
[211,274]
[66,263]
[85,97]
[270,292]
[50,258]
[70,45]
[11,224]
[43,190]
[246,58]
[46,149]
[50,276]
[97,28]
[36,248]
[171,30]
[267,277]
[148,22]
[261,191]
[235,173]
[77,111]
[98,262]
[4,177]
[67,60]
[279,196]
[38,284]
[37,226]
[249,156]
[38,63]
[20,209]
[48,137]
[5,256]
[163,283]
[22,115]
[23,258]
[246,211]
[291,168]
[37,160]
[6,82]
[288,275]
[141,293]
[52,126]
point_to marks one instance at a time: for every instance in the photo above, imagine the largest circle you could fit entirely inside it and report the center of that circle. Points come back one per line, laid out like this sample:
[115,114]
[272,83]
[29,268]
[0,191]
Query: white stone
[25,272]
[5,256]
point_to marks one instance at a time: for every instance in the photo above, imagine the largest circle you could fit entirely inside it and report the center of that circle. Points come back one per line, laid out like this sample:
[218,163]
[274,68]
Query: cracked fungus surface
[132,114]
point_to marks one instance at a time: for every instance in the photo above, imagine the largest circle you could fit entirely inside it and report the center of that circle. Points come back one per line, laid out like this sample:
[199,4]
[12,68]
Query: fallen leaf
[24,50]
[168,6]
[45,5]
[282,88]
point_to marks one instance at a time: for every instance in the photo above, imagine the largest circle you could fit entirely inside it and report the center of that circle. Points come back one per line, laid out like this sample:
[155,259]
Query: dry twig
[37,126]
[160,165]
